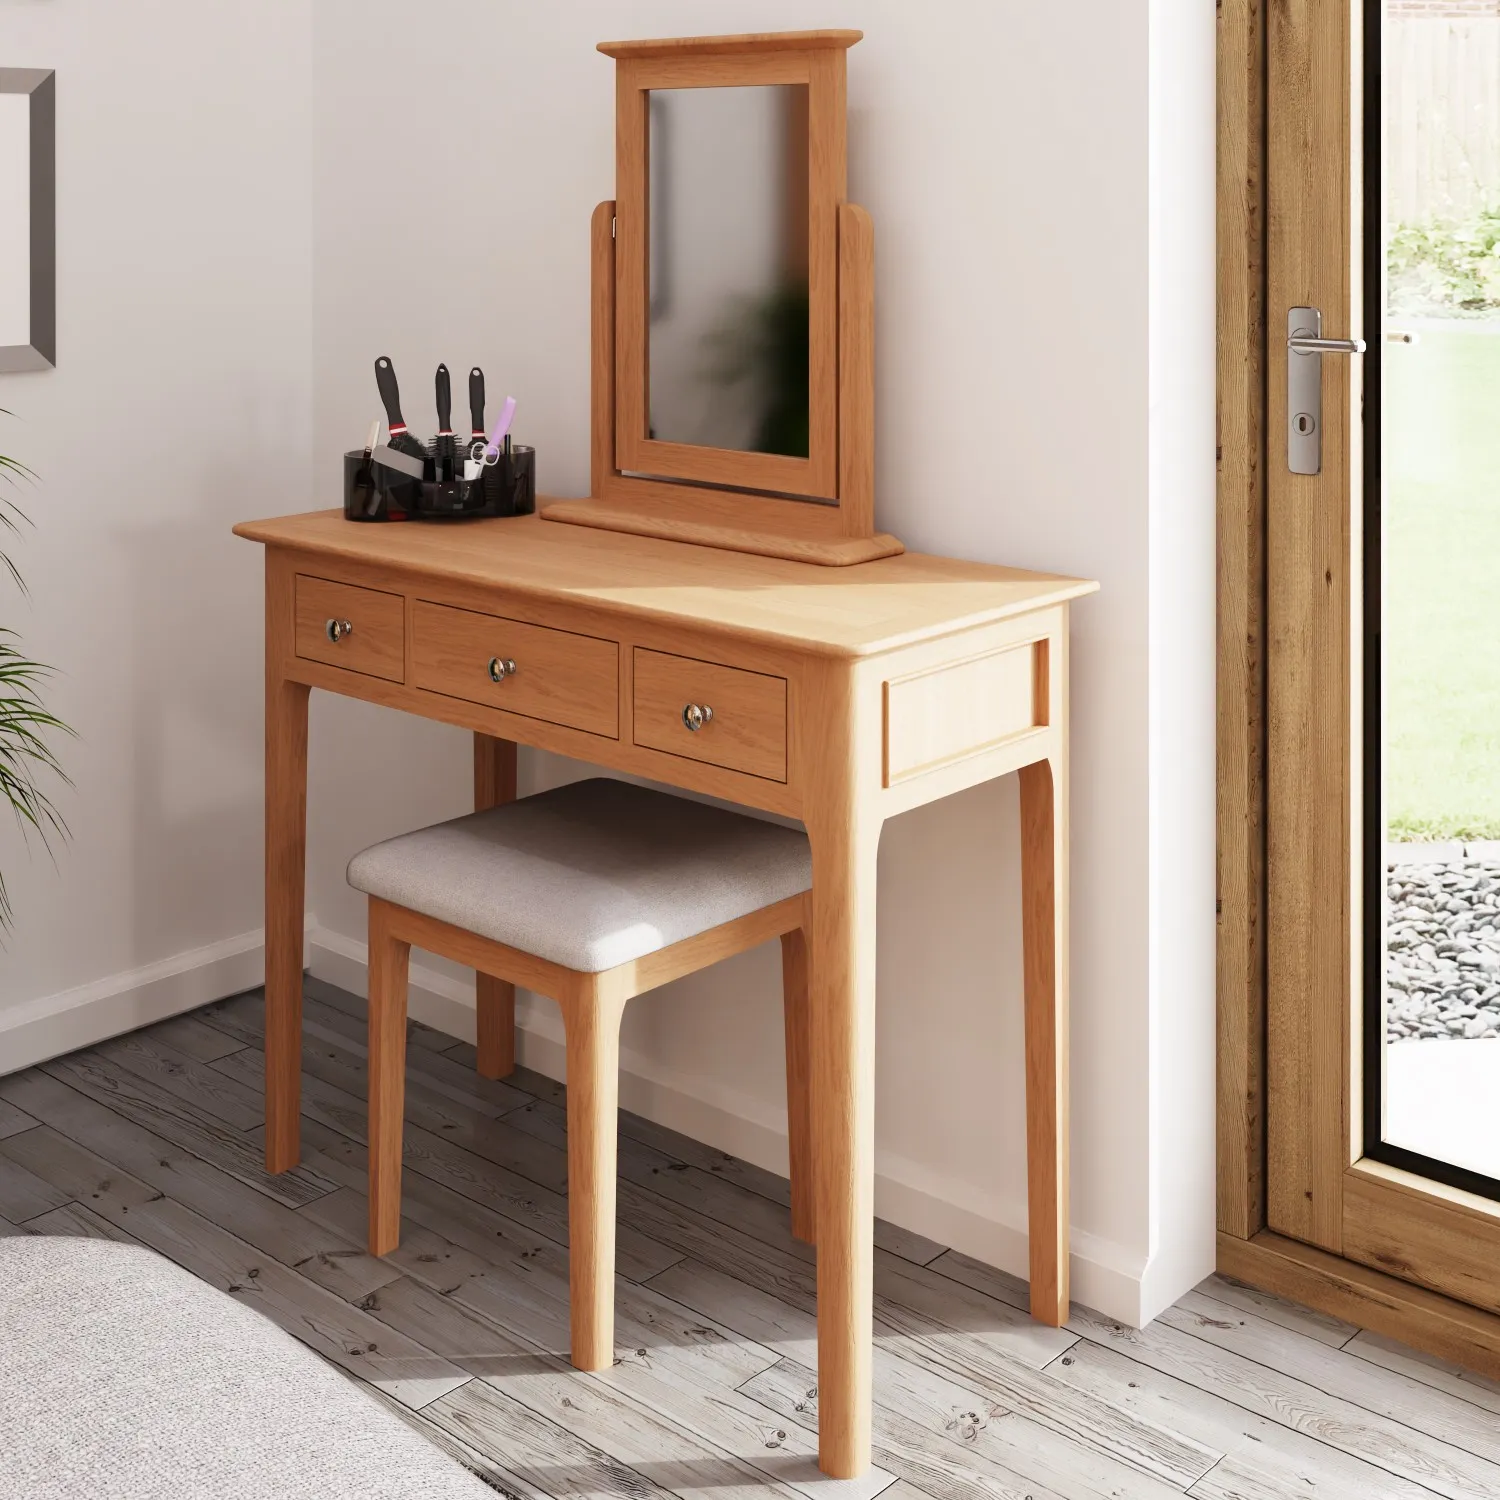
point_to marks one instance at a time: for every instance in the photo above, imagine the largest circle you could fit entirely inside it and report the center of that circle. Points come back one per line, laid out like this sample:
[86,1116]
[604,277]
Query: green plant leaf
[27,759]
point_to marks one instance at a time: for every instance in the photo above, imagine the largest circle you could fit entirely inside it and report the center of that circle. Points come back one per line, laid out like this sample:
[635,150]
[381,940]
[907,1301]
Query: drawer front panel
[559,676]
[961,709]
[344,626]
[747,730]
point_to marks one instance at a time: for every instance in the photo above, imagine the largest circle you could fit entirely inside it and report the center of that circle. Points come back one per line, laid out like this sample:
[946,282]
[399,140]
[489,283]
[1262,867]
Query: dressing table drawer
[532,670]
[363,630]
[725,716]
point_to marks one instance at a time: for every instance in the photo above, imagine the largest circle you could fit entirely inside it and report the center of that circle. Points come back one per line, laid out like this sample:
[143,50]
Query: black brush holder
[375,492]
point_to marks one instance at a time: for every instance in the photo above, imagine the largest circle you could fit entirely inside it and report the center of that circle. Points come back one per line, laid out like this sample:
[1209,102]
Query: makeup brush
[401,440]
[443,445]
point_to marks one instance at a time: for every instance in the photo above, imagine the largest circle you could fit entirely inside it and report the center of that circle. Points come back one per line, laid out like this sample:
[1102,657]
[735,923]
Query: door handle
[1301,344]
[1305,348]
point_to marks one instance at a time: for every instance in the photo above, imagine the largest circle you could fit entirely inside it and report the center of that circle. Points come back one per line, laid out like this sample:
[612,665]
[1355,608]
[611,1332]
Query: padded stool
[591,893]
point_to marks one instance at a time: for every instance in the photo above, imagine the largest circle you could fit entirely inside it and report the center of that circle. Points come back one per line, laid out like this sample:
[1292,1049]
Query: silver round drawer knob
[501,667]
[696,715]
[338,630]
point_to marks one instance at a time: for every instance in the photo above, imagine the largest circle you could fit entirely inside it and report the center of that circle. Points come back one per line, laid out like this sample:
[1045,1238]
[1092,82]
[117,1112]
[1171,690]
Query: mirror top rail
[746,43]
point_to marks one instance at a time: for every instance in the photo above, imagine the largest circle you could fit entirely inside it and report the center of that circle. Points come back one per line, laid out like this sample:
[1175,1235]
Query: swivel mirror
[733,321]
[728,314]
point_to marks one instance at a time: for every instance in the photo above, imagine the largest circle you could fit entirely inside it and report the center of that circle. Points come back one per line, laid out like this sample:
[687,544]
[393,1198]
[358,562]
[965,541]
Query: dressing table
[766,650]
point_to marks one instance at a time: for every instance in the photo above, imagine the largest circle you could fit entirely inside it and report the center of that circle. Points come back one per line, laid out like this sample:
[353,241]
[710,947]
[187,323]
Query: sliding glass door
[1432,591]
[1383,637]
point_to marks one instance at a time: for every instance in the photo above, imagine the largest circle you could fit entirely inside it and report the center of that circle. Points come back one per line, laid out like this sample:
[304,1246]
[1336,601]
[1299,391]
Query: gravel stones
[1442,947]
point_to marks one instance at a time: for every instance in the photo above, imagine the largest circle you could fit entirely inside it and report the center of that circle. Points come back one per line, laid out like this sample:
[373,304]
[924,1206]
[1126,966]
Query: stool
[591,893]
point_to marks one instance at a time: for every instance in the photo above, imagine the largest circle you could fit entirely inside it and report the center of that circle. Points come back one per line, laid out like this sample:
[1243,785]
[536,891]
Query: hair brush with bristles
[401,440]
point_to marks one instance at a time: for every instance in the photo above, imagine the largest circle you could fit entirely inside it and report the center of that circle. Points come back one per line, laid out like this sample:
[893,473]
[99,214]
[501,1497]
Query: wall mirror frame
[817,508]
[28,219]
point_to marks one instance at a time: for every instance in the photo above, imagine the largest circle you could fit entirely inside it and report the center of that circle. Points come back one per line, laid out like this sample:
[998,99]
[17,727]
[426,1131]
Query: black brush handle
[444,402]
[476,401]
[390,394]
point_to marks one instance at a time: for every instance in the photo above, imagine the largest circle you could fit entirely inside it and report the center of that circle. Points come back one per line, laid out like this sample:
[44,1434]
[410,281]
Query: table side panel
[969,707]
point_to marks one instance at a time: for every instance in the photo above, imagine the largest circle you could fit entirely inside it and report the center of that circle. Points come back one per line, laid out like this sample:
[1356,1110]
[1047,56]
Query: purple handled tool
[482,455]
[507,416]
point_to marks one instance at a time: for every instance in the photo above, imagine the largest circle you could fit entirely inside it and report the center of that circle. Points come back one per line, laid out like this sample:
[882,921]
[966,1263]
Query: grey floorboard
[190,1035]
[1287,1462]
[920,1413]
[75,1221]
[585,1472]
[1426,1368]
[206,1089]
[504,1188]
[24,1195]
[336,1328]
[1196,1343]
[13,1120]
[243,1017]
[173,1119]
[1231,1395]
[696,1179]
[339,1264]
[417,1034]
[438,1114]
[1388,1393]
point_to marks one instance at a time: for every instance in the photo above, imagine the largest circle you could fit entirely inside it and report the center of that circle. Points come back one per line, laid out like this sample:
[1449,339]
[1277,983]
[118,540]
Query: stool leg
[798,1105]
[388,974]
[593,1033]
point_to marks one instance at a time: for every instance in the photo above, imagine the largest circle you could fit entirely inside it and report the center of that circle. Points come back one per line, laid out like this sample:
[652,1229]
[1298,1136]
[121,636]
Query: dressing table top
[852,611]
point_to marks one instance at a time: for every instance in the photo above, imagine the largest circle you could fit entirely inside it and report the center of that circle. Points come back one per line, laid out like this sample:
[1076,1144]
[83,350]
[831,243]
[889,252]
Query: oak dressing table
[776,653]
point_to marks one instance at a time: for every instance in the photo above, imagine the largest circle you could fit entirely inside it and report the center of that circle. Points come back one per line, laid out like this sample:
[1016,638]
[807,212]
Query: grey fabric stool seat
[591,893]
[124,1377]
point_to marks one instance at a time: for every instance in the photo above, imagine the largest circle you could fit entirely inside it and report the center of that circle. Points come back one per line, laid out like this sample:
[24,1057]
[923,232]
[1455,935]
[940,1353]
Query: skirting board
[1105,1276]
[53,1024]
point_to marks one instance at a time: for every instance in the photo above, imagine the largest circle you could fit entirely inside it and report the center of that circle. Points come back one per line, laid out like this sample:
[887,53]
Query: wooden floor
[155,1137]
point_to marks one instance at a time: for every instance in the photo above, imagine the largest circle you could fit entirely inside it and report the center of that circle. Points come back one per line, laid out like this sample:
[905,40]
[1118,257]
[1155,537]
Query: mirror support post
[856,371]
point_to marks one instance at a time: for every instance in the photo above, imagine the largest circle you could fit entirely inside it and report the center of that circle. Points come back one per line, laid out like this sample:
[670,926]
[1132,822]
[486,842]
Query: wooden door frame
[1247,1250]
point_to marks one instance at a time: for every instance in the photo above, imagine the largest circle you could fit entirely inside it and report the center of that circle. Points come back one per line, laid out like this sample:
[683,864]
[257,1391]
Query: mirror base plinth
[788,529]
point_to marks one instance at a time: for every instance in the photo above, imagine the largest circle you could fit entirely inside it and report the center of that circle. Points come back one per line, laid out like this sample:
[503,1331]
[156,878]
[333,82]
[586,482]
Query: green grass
[1442,585]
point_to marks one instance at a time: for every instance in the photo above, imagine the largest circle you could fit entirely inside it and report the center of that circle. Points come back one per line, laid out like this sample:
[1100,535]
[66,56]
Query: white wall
[1041,180]
[256,201]
[1183,474]
[181,403]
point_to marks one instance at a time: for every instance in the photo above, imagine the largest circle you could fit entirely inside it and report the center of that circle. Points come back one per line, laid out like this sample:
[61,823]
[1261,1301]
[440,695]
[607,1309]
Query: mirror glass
[728,182]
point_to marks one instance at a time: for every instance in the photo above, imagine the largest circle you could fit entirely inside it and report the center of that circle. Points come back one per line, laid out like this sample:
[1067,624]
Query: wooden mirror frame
[637,77]
[719,497]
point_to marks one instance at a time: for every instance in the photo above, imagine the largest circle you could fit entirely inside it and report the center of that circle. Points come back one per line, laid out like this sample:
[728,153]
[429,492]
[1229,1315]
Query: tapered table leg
[1044,930]
[796,1023]
[494,999]
[844,836]
[286,859]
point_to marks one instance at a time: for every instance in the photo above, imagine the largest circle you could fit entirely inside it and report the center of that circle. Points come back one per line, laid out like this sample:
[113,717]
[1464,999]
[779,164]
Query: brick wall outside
[1442,7]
